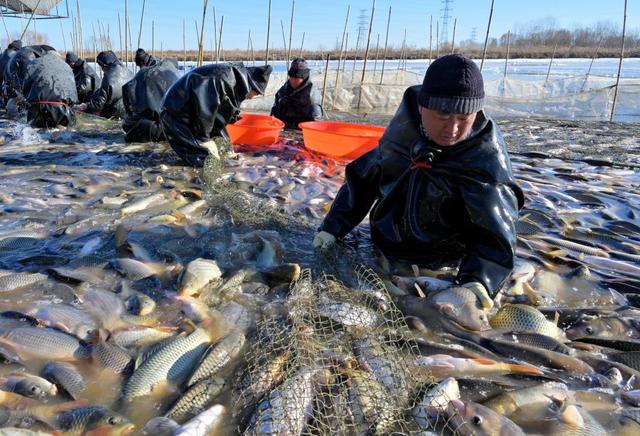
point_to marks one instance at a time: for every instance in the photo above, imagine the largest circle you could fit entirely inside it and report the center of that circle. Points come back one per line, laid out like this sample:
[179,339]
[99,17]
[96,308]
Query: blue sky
[323,20]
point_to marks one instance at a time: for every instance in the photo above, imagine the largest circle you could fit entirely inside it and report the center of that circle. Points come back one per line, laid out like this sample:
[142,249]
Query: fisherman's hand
[80,107]
[481,292]
[323,240]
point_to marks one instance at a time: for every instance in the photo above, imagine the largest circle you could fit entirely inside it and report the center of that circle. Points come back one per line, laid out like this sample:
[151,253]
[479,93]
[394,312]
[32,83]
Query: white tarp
[43,8]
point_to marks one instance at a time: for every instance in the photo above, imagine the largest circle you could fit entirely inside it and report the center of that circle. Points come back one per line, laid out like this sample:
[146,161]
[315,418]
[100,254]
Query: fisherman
[107,100]
[142,97]
[439,187]
[197,108]
[49,90]
[6,57]
[144,59]
[15,72]
[86,78]
[298,100]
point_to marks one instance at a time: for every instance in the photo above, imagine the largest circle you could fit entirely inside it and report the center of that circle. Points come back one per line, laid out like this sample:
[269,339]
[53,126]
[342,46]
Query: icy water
[102,226]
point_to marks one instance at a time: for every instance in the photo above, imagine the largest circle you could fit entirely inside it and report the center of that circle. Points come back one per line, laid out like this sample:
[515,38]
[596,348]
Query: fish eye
[34,389]
[589,330]
[113,420]
[477,420]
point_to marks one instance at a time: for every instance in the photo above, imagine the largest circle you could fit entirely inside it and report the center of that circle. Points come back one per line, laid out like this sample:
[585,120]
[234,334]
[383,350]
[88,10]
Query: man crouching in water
[439,186]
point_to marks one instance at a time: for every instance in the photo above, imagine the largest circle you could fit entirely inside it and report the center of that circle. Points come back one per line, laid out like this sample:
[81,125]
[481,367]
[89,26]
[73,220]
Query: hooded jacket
[142,98]
[107,100]
[16,68]
[86,79]
[200,105]
[49,88]
[433,205]
[294,106]
[6,56]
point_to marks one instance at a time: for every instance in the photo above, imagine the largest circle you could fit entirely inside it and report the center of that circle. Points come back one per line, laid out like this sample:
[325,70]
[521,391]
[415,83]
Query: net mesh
[338,360]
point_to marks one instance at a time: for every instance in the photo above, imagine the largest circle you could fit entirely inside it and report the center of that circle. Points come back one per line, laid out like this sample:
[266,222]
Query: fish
[20,281]
[348,314]
[66,318]
[28,385]
[137,336]
[172,363]
[199,273]
[67,377]
[629,358]
[139,204]
[217,356]
[427,284]
[435,402]
[574,246]
[110,356]
[134,269]
[523,318]
[254,386]
[460,305]
[44,343]
[202,424]
[605,327]
[18,407]
[442,366]
[472,419]
[195,399]
[92,420]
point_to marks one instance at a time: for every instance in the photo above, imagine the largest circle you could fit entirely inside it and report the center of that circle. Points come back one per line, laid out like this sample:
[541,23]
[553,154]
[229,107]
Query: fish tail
[523,369]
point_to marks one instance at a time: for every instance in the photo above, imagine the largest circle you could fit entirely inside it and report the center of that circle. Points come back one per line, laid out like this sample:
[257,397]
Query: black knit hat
[142,58]
[299,69]
[106,58]
[71,57]
[259,77]
[453,84]
[16,45]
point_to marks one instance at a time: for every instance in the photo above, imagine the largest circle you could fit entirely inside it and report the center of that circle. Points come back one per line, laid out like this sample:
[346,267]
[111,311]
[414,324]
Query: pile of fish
[135,298]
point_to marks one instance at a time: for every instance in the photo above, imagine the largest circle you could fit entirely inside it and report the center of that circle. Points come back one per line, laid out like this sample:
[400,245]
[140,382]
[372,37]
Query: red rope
[59,103]
[416,165]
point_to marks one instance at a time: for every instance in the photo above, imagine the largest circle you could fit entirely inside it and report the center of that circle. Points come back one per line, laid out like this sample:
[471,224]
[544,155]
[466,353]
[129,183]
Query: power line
[446,16]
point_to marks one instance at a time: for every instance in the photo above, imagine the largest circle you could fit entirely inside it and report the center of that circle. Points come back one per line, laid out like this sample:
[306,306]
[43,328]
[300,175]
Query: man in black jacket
[16,69]
[49,90]
[144,59]
[86,78]
[142,97]
[298,100]
[201,103]
[6,57]
[440,184]
[107,100]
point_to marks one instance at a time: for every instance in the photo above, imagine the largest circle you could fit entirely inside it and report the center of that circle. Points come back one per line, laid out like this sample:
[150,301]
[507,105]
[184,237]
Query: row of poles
[102,41]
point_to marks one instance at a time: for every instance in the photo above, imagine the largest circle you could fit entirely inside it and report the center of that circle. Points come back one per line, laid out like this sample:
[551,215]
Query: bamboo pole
[144,2]
[126,30]
[324,83]
[29,21]
[344,64]
[120,36]
[375,61]
[201,42]
[366,52]
[486,38]
[293,9]
[430,36]
[220,48]
[284,38]
[64,39]
[129,36]
[184,46]
[615,93]
[301,44]
[404,41]
[437,39]
[355,57]
[342,50]
[95,48]
[453,38]
[506,59]
[266,53]
[253,58]
[215,34]
[153,37]
[80,28]
[386,44]
[553,55]
[593,58]
[7,30]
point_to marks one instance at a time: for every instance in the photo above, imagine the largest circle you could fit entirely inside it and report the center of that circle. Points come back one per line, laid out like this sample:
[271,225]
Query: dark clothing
[294,106]
[49,89]
[142,98]
[4,60]
[16,68]
[434,205]
[200,104]
[87,80]
[107,100]
[144,59]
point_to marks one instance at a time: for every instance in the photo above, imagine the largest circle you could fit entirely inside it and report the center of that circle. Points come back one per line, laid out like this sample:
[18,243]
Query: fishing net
[337,360]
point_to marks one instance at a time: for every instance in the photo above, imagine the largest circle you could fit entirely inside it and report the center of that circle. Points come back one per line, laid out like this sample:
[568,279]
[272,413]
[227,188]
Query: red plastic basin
[345,141]
[255,129]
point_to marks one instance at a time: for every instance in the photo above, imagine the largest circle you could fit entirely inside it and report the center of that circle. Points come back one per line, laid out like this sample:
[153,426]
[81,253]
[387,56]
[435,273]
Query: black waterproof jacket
[4,60]
[434,205]
[87,80]
[294,106]
[198,107]
[107,100]
[16,68]
[49,89]
[142,98]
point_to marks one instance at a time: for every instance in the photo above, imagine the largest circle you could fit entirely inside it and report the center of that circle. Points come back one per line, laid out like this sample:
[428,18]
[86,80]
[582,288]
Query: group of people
[438,189]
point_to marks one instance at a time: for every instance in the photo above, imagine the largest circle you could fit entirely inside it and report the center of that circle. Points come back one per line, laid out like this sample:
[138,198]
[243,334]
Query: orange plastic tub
[255,129]
[344,141]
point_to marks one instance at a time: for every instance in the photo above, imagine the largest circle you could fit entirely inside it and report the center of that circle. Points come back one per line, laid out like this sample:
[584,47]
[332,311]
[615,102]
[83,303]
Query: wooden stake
[293,9]
[215,34]
[430,36]
[486,38]
[437,39]
[386,43]
[301,45]
[184,46]
[64,40]
[453,38]
[120,36]
[506,59]
[586,77]
[266,53]
[144,2]
[284,39]
[615,93]
[126,33]
[324,83]
[375,61]
[366,52]
[553,55]
[342,50]
[129,41]
[201,41]
[153,37]
[220,49]
[344,63]
[253,58]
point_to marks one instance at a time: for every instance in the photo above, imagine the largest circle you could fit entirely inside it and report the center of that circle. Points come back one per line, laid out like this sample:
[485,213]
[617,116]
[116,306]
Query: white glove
[323,240]
[481,292]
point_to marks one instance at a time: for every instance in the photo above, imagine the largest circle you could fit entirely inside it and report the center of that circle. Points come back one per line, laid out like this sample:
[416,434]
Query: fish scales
[218,355]
[195,399]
